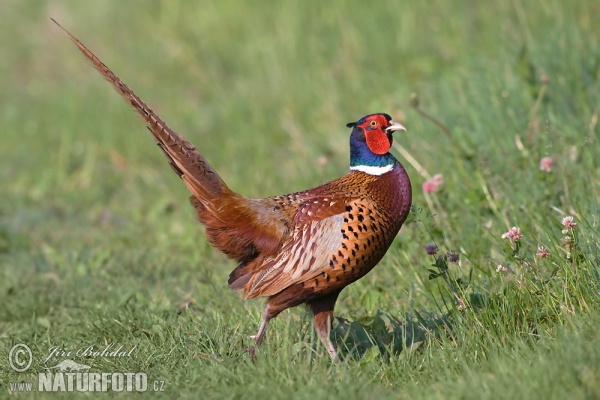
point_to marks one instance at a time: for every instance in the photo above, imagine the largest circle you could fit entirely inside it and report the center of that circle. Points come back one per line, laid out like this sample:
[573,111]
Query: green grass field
[99,246]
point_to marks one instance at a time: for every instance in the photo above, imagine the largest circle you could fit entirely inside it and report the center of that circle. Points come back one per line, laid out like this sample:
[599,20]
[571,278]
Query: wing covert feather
[316,236]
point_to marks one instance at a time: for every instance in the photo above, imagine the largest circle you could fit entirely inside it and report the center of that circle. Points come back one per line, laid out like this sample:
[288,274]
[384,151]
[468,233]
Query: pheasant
[299,248]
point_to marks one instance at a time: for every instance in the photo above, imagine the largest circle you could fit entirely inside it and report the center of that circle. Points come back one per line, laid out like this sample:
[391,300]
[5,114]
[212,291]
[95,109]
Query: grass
[98,244]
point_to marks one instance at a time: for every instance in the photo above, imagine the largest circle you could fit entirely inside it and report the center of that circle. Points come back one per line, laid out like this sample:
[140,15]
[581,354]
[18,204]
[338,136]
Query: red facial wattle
[377,141]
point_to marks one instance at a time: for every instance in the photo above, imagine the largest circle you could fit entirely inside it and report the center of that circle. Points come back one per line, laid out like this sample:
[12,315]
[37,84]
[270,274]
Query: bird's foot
[333,353]
[251,351]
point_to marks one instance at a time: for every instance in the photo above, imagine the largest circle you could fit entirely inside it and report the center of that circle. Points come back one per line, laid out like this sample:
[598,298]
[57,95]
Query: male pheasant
[299,248]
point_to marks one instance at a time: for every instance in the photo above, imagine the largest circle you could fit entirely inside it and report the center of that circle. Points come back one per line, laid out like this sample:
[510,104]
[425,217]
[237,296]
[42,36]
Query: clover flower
[569,242]
[452,256]
[568,223]
[545,80]
[501,268]
[546,164]
[431,248]
[542,252]
[513,233]
[432,185]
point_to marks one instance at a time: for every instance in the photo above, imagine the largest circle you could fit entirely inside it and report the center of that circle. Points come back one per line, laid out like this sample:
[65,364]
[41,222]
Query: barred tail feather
[202,180]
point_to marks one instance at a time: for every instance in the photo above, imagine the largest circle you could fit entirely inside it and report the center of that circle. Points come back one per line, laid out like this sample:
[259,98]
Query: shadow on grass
[385,335]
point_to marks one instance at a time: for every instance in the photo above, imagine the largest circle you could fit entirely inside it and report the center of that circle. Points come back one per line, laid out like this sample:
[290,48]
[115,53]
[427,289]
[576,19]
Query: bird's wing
[316,236]
[244,229]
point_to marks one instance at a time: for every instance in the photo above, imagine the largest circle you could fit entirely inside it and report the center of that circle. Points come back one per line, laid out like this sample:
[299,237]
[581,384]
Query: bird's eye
[373,124]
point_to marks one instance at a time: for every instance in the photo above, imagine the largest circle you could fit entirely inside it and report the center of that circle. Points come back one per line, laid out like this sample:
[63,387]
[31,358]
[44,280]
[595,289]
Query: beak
[395,127]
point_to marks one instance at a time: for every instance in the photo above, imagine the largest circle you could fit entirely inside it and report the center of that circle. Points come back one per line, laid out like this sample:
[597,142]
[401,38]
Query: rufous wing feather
[317,235]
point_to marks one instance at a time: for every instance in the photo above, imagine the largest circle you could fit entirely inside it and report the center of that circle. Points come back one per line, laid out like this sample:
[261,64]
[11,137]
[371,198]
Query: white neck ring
[372,170]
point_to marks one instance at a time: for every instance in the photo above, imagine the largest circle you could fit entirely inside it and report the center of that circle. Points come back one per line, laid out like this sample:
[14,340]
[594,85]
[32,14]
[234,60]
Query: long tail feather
[202,180]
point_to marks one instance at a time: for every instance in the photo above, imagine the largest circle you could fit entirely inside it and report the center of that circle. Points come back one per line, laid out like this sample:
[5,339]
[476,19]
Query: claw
[251,352]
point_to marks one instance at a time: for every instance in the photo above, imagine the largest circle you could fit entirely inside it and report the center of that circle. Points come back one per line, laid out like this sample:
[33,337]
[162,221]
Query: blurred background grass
[98,244]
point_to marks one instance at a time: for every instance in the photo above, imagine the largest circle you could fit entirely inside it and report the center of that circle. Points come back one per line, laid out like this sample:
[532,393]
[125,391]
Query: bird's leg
[322,309]
[258,338]
[323,328]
